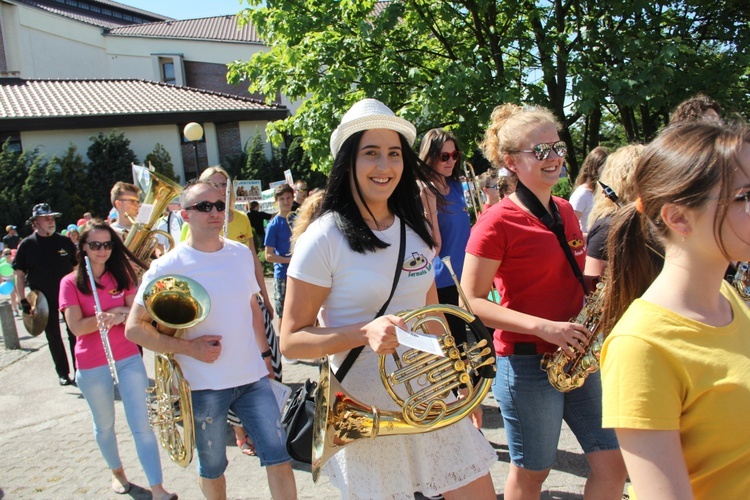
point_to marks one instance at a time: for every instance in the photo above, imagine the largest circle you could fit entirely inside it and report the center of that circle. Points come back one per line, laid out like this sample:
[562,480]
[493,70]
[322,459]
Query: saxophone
[566,374]
[741,280]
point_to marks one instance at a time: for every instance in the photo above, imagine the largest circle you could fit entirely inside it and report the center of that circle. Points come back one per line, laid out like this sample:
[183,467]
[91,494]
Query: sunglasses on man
[542,151]
[447,156]
[206,206]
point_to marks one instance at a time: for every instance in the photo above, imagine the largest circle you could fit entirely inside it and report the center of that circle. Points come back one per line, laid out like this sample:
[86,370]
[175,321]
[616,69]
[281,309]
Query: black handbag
[299,413]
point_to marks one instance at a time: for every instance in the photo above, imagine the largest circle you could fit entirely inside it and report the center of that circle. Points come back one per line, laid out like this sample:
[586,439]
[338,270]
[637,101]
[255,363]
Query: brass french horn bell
[426,382]
[177,302]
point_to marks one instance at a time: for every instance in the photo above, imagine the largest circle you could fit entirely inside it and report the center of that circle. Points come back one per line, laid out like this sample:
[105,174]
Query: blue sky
[187,9]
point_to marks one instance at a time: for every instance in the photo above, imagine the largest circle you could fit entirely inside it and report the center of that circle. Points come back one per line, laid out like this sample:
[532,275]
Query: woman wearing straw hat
[371,208]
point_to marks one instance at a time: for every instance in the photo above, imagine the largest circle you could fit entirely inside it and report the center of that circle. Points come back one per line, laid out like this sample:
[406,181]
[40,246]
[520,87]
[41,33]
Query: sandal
[246,447]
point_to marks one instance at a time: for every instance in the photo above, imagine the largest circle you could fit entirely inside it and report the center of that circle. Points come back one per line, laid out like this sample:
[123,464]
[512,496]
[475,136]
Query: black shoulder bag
[553,222]
[300,412]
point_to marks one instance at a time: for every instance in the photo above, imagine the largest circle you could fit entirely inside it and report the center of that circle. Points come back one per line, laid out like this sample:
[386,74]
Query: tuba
[141,239]
[566,374]
[340,419]
[176,302]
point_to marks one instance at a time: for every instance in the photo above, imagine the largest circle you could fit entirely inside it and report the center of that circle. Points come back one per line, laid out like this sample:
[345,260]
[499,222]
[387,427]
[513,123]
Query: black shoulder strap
[352,356]
[553,222]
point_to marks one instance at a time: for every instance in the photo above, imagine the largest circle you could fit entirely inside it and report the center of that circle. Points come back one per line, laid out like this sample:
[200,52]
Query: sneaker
[289,361]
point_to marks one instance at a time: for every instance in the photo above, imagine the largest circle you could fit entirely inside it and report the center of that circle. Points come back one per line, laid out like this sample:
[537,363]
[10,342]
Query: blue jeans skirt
[533,412]
[256,407]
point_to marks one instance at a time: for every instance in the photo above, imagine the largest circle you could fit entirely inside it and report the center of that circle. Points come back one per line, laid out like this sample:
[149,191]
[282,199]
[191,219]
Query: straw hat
[370,114]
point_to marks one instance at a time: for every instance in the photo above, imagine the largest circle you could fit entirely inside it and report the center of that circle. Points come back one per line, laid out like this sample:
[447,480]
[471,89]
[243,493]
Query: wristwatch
[266,354]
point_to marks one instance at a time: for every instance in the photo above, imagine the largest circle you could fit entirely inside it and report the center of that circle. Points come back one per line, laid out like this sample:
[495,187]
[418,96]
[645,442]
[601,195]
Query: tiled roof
[96,12]
[21,99]
[222,28]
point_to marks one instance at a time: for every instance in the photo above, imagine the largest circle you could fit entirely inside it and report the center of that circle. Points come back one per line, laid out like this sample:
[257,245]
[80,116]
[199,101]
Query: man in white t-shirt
[220,357]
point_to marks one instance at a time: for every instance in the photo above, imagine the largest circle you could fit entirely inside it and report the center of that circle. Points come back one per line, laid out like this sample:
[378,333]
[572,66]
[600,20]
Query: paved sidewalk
[47,450]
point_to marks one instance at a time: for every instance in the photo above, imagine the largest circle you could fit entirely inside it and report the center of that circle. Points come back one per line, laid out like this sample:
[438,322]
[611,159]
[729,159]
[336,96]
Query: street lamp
[194,132]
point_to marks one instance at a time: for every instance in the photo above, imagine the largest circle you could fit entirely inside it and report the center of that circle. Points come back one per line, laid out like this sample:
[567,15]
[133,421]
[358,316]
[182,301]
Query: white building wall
[142,142]
[248,131]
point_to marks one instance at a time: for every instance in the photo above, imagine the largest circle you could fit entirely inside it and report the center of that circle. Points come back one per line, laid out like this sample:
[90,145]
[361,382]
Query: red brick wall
[213,77]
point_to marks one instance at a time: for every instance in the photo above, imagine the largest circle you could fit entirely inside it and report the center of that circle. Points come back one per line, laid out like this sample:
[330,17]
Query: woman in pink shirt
[116,286]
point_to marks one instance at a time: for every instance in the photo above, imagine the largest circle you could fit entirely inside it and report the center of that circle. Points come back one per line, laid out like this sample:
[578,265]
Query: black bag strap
[553,222]
[352,356]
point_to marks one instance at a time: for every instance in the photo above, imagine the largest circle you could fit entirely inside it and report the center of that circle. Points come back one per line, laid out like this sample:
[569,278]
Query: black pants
[449,295]
[54,339]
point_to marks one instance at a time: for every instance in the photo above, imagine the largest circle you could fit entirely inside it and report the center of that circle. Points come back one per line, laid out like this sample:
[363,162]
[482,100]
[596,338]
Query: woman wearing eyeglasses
[116,286]
[448,217]
[540,292]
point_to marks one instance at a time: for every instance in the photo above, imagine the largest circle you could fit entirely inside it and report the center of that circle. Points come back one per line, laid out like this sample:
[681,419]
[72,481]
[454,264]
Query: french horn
[428,381]
[176,302]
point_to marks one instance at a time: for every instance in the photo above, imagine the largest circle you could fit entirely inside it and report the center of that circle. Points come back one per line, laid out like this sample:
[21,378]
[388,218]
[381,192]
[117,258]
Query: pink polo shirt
[89,350]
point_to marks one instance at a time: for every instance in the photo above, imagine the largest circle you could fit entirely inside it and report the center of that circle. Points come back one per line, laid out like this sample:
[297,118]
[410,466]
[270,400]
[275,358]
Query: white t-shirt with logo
[229,278]
[361,283]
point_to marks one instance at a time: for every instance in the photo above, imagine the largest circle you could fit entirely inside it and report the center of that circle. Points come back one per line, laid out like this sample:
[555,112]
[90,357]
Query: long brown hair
[117,264]
[682,166]
[429,150]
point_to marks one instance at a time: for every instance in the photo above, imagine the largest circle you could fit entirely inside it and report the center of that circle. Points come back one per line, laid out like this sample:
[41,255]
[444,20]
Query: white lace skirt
[398,466]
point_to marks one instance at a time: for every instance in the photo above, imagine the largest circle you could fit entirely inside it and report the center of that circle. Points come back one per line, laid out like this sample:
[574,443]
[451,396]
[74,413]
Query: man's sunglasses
[542,151]
[206,206]
[96,245]
[447,156]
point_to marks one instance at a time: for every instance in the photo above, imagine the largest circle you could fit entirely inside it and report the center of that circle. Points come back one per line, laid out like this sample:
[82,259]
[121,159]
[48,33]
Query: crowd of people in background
[645,222]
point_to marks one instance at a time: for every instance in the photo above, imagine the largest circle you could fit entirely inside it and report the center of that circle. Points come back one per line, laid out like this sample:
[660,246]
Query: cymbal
[38,322]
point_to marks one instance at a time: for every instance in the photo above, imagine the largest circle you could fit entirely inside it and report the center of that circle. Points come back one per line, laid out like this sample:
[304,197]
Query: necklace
[378,225]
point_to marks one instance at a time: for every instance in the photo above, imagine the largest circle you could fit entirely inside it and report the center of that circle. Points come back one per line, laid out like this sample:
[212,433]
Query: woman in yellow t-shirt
[676,367]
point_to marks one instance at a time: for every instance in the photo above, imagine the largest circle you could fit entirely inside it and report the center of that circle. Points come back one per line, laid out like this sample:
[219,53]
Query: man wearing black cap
[11,240]
[41,262]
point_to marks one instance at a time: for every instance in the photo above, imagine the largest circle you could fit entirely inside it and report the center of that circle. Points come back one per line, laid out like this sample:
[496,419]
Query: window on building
[167,72]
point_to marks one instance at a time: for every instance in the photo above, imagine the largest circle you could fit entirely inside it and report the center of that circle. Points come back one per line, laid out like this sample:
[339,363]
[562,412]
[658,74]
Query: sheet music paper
[144,213]
[281,392]
[422,341]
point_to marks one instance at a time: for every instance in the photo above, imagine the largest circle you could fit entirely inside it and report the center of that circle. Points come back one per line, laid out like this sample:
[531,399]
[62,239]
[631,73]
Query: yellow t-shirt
[239,229]
[662,371]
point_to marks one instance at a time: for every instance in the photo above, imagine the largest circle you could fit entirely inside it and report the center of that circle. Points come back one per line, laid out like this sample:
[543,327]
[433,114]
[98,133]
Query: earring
[683,237]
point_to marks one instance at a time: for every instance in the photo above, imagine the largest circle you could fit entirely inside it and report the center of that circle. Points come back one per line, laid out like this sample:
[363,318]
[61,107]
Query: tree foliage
[110,160]
[449,63]
[161,160]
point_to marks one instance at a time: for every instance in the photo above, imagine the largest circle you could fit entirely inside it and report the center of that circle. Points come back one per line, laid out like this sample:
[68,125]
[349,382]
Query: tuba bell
[141,238]
[340,419]
[176,302]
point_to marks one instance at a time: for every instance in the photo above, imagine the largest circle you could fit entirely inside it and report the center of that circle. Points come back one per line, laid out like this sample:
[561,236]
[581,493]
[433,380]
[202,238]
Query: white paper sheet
[422,341]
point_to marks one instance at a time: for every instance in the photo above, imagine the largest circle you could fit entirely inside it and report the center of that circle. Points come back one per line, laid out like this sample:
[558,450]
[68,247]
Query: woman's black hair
[404,202]
[117,264]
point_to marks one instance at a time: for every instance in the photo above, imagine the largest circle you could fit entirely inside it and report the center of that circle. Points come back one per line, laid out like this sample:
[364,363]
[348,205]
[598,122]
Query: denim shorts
[257,409]
[533,412]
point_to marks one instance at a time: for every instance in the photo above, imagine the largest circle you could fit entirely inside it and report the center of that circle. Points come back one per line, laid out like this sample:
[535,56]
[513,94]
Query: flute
[104,332]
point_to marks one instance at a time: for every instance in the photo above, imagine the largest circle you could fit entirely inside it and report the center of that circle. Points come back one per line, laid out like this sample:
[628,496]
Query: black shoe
[65,381]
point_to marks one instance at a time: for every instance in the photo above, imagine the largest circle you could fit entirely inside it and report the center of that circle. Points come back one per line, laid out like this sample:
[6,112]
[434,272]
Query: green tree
[35,188]
[258,166]
[13,173]
[75,190]
[110,160]
[161,160]
[448,64]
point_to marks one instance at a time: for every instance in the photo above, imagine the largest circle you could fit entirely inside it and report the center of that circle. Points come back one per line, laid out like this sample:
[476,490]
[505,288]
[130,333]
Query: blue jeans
[97,387]
[533,412]
[256,407]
